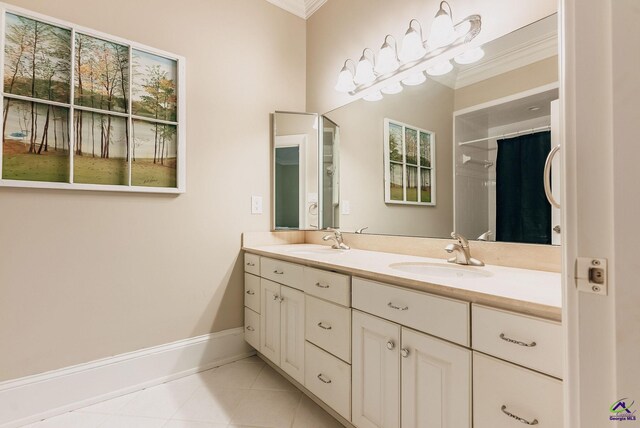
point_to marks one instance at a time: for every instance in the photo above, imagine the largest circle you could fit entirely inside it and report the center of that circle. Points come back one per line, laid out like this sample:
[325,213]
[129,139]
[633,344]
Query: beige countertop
[525,291]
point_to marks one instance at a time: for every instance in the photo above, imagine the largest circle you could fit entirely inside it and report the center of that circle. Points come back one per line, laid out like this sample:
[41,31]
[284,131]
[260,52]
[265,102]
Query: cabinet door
[270,306]
[292,333]
[436,382]
[375,372]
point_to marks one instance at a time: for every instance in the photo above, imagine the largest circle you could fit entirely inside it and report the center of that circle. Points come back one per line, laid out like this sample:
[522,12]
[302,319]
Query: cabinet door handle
[518,418]
[390,345]
[404,352]
[251,292]
[276,297]
[321,285]
[278,272]
[322,326]
[250,328]
[517,342]
[251,264]
[397,308]
[323,379]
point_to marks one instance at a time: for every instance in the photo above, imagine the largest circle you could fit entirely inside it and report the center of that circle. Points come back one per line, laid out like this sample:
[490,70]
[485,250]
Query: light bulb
[440,69]
[442,31]
[364,71]
[387,59]
[412,45]
[414,79]
[470,56]
[374,96]
[345,80]
[394,88]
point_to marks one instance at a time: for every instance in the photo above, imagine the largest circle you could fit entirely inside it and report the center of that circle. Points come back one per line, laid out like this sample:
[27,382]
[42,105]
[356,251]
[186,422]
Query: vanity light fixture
[364,70]
[470,56]
[374,96]
[443,32]
[388,57]
[412,44]
[345,78]
[383,73]
[394,88]
[415,79]
[440,68]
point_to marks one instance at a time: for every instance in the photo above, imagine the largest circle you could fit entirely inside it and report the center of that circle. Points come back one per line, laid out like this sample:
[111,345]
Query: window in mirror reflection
[408,164]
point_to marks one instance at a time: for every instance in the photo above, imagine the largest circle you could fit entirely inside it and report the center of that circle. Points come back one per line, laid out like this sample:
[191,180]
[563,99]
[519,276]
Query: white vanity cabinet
[404,378]
[282,327]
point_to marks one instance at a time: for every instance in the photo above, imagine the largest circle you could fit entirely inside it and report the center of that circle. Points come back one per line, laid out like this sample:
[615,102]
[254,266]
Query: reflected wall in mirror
[494,186]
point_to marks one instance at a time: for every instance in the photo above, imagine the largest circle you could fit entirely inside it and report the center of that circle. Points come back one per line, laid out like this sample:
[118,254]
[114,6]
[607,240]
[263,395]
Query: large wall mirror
[465,151]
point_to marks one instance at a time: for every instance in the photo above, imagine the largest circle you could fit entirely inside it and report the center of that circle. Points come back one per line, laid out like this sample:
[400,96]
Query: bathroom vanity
[390,340]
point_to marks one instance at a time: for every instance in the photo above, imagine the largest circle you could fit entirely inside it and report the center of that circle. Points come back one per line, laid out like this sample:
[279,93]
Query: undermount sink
[440,270]
[314,251]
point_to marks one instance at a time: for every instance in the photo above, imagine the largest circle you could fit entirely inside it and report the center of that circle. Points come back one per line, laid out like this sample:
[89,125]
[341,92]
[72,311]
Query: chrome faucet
[361,230]
[337,238]
[485,236]
[462,252]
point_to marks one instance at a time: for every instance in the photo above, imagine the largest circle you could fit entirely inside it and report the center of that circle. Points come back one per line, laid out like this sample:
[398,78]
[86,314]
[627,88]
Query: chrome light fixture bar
[415,52]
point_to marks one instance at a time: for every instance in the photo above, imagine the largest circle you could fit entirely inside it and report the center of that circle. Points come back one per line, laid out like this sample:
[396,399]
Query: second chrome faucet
[461,251]
[336,236]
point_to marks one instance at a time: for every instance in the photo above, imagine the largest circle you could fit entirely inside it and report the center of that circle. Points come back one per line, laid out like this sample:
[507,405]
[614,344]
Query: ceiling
[302,8]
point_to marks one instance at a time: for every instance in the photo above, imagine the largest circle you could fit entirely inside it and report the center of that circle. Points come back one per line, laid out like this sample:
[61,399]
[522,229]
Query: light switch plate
[591,275]
[256,205]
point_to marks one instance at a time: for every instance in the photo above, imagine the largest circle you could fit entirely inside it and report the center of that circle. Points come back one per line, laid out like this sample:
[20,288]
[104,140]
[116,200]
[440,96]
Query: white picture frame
[180,106]
[411,168]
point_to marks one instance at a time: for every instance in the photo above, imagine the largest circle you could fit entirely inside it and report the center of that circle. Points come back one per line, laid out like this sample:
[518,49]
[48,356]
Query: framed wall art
[86,110]
[409,164]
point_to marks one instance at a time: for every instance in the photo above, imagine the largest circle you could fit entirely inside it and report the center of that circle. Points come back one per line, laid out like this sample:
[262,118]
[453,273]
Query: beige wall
[342,29]
[428,106]
[532,76]
[85,275]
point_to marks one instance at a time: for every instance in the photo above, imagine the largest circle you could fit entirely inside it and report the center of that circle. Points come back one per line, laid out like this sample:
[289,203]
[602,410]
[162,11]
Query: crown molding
[302,8]
[538,50]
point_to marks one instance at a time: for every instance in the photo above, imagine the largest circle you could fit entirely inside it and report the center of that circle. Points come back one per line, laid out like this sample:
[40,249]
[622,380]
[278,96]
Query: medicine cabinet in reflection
[305,171]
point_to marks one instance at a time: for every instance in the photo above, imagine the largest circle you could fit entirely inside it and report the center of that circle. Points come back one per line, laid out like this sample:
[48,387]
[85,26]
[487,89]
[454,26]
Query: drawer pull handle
[250,328]
[518,418]
[321,286]
[322,326]
[276,297]
[390,345]
[517,342]
[278,272]
[397,308]
[323,379]
[251,292]
[251,264]
[404,352]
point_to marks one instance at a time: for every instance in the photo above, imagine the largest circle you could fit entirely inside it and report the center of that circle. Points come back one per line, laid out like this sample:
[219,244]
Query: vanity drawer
[330,286]
[329,379]
[438,316]
[329,327]
[252,328]
[500,387]
[528,341]
[252,292]
[252,263]
[282,272]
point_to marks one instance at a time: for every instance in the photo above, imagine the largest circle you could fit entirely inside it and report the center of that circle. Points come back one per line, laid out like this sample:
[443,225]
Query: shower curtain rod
[510,134]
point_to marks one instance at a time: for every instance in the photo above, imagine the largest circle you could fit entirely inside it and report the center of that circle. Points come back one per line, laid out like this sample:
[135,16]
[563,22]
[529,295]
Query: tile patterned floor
[244,394]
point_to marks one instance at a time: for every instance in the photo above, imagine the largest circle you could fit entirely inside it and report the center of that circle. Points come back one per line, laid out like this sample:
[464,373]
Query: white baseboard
[29,399]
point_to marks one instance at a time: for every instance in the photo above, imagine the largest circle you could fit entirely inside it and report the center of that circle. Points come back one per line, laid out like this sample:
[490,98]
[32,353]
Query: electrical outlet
[256,205]
[345,207]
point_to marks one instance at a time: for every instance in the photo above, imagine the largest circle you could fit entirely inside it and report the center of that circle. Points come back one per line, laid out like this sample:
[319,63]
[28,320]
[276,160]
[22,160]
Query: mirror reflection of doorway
[289,181]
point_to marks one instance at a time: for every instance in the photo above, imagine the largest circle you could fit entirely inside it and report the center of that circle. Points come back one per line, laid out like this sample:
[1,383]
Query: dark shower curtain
[523,213]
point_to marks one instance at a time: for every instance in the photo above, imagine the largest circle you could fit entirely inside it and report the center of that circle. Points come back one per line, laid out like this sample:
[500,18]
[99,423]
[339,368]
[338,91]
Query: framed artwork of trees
[85,110]
[409,164]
